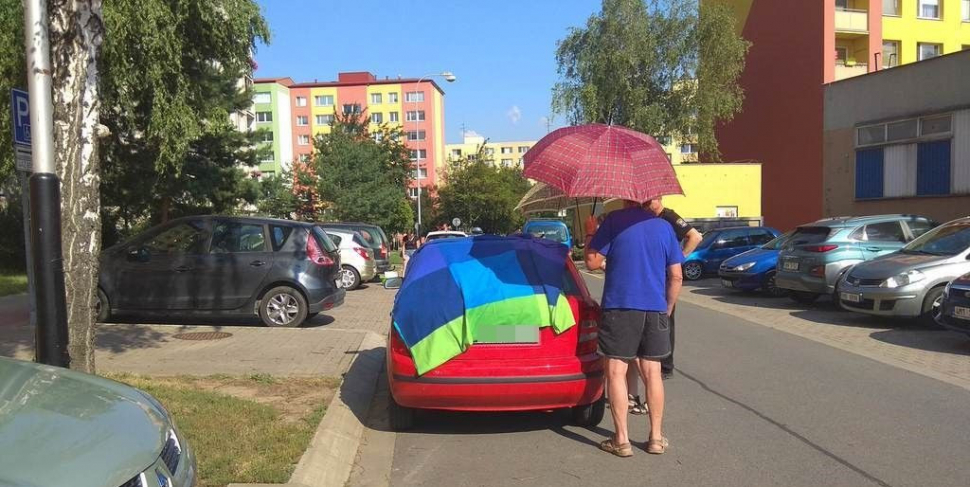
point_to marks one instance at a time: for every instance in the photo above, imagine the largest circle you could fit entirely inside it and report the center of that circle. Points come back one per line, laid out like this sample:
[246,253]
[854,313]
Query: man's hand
[675,279]
[691,242]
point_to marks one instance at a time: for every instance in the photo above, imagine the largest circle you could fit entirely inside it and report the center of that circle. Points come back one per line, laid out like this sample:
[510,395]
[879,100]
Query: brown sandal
[658,447]
[623,451]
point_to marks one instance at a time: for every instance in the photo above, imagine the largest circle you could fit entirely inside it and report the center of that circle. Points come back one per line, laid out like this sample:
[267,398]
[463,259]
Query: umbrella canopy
[605,161]
[542,197]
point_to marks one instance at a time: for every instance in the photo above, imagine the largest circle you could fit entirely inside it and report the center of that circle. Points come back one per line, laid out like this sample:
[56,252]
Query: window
[268,156]
[263,117]
[420,173]
[303,140]
[873,134]
[455,152]
[726,211]
[884,232]
[394,117]
[929,51]
[688,148]
[417,155]
[231,237]
[414,96]
[375,98]
[378,136]
[323,100]
[279,235]
[841,54]
[965,10]
[263,98]
[324,119]
[869,175]
[842,4]
[304,157]
[506,150]
[523,149]
[928,9]
[377,117]
[350,108]
[415,116]
[890,54]
[919,227]
[506,162]
[302,120]
[732,239]
[490,151]
[760,236]
[265,136]
[670,157]
[664,140]
[392,97]
[416,135]
[301,101]
[413,192]
[183,238]
[890,7]
[903,130]
[935,125]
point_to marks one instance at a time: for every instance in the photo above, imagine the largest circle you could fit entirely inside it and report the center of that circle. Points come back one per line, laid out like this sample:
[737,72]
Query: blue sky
[502,51]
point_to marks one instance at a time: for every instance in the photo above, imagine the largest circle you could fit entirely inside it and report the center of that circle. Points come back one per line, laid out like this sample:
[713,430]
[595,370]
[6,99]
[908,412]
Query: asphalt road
[749,406]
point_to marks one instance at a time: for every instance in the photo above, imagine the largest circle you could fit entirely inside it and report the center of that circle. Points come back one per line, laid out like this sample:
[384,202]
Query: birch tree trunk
[76,31]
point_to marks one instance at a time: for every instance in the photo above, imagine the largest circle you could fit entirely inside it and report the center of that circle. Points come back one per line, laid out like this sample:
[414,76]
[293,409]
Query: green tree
[276,196]
[483,194]
[662,67]
[12,75]
[361,175]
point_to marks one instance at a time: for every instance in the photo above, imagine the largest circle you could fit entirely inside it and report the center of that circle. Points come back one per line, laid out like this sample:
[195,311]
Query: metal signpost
[20,118]
[455,223]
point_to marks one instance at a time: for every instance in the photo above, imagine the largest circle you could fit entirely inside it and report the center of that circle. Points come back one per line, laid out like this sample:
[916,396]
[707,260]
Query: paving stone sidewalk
[324,346]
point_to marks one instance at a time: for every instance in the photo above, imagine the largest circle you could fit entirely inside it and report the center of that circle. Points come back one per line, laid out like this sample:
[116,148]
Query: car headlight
[744,267]
[903,279]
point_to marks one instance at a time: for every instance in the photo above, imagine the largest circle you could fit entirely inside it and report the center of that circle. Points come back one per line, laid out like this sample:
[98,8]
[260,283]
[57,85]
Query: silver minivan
[910,283]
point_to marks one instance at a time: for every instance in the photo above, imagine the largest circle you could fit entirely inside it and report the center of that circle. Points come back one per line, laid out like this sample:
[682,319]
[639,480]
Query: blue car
[721,244]
[549,228]
[755,269]
[956,305]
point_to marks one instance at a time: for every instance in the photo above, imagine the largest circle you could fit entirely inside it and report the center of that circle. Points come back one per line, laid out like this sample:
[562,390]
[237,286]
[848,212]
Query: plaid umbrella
[605,161]
[542,197]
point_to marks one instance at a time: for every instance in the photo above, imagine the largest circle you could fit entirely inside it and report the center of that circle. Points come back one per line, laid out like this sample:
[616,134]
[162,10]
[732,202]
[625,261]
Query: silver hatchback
[910,283]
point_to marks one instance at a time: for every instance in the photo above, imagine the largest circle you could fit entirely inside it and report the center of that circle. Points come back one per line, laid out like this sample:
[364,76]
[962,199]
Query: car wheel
[349,277]
[589,415]
[401,418]
[102,308]
[802,297]
[693,271]
[933,307]
[283,307]
[772,289]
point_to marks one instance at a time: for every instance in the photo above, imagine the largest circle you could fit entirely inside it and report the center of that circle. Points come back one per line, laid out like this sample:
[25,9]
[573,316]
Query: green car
[61,427]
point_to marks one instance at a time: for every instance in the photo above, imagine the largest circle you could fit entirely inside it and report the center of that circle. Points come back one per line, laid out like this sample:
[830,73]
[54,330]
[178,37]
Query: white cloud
[514,114]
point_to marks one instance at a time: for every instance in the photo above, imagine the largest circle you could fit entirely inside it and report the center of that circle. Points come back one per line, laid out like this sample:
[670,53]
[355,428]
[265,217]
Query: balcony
[843,71]
[850,21]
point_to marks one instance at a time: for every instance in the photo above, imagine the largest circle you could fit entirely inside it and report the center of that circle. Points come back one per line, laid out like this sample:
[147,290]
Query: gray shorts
[627,334]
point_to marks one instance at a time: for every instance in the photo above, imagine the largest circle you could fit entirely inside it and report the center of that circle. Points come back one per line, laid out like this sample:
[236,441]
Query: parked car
[61,427]
[819,253]
[283,271]
[375,238]
[357,264]
[549,228]
[531,368]
[444,234]
[754,269]
[956,305]
[722,244]
[910,283]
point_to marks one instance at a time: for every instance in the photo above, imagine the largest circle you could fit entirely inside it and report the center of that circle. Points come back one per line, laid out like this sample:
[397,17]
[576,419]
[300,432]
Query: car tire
[802,297]
[400,417]
[349,277]
[589,415]
[282,307]
[771,287]
[932,307]
[102,307]
[693,271]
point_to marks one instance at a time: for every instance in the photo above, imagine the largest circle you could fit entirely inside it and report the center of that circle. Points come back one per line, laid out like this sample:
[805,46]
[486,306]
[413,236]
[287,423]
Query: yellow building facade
[909,25]
[507,154]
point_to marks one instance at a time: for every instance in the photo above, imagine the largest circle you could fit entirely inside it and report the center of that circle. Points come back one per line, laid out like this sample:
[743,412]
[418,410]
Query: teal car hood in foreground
[60,427]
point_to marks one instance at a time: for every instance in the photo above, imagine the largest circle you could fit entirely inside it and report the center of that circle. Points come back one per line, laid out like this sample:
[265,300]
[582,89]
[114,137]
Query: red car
[544,373]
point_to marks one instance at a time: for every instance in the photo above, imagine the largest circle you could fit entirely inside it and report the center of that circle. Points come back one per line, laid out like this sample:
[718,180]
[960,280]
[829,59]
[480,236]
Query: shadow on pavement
[944,341]
[216,321]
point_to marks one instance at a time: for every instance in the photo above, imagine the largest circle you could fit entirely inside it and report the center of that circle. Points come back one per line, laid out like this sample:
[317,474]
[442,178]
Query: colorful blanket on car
[453,286]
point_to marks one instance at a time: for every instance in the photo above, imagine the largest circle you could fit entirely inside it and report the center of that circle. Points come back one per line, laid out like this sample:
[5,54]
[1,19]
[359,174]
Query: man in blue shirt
[643,281]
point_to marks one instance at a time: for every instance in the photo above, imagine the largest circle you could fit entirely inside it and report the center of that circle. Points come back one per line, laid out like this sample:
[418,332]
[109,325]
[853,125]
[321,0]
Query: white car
[445,234]
[357,260]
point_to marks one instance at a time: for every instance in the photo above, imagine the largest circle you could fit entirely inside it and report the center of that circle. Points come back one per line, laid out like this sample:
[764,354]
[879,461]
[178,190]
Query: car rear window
[810,235]
[336,238]
[324,240]
[778,242]
[280,235]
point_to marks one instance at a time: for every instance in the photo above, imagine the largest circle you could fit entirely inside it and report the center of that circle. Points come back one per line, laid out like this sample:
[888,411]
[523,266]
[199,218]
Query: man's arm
[691,241]
[675,279]
[594,259]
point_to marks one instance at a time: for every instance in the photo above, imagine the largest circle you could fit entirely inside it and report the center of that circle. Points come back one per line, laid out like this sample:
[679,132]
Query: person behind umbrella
[643,282]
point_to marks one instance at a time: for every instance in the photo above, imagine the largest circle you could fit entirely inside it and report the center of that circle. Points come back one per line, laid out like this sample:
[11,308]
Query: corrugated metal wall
[900,174]
[961,152]
[869,173]
[933,167]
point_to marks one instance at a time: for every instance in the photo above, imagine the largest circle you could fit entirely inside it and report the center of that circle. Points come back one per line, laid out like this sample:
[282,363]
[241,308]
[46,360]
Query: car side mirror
[393,283]
[138,255]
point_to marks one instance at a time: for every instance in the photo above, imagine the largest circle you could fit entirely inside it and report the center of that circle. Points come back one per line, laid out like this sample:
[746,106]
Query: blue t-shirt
[640,247]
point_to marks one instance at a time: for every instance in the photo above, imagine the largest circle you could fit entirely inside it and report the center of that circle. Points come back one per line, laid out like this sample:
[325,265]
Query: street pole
[45,194]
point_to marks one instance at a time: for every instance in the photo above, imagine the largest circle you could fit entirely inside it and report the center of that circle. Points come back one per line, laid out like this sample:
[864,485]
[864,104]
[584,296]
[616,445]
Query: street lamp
[449,77]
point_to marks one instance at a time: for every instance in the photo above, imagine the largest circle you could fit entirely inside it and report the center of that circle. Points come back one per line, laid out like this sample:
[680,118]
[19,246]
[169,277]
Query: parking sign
[20,105]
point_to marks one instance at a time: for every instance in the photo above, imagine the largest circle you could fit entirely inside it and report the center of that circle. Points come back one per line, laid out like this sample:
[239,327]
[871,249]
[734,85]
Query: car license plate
[791,265]
[851,297]
[507,334]
[727,283]
[961,312]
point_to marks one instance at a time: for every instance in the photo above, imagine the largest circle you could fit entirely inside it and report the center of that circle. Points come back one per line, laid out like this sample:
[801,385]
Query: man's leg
[667,364]
[650,369]
[633,379]
[616,384]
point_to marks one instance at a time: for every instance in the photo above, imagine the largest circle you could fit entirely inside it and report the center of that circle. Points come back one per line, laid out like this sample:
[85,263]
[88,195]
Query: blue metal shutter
[933,168]
[869,173]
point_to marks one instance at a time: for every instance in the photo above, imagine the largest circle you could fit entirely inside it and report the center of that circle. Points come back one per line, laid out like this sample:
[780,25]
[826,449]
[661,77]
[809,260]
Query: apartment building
[507,154]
